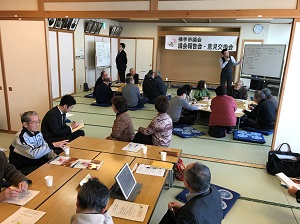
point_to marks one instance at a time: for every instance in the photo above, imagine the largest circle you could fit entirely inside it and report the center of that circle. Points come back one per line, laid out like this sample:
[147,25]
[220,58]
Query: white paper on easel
[24,216]
[128,210]
[23,197]
[287,180]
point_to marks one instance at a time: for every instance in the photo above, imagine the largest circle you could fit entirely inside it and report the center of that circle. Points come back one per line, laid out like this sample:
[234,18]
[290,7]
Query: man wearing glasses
[28,150]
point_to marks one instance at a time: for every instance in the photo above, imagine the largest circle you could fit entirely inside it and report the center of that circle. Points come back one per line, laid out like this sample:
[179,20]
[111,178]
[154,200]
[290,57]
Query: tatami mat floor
[235,165]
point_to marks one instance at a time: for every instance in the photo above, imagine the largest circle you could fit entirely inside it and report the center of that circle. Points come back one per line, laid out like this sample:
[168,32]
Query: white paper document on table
[133,147]
[287,180]
[23,198]
[149,170]
[128,210]
[24,216]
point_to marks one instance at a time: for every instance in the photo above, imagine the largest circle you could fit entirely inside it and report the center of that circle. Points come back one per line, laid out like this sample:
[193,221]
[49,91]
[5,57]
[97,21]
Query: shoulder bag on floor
[286,162]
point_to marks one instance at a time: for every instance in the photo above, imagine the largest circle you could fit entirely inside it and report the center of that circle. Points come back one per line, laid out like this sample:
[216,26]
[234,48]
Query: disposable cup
[67,150]
[167,79]
[163,156]
[144,150]
[49,181]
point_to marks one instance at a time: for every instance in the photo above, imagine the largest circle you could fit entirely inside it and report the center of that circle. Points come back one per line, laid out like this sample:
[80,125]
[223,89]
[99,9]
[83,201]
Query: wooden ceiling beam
[167,14]
[153,5]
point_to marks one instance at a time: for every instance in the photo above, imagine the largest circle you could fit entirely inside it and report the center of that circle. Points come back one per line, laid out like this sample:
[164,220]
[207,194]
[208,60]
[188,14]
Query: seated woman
[222,116]
[122,129]
[104,93]
[201,91]
[159,131]
[189,93]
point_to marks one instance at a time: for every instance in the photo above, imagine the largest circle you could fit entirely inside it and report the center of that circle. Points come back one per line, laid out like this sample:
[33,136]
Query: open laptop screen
[126,180]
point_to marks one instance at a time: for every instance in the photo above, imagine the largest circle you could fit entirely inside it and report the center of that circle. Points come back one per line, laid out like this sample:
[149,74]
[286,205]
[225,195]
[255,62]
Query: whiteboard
[263,60]
[102,54]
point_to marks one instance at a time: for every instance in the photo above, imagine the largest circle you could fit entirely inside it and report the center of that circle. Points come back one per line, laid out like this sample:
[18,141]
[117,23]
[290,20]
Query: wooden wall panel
[190,65]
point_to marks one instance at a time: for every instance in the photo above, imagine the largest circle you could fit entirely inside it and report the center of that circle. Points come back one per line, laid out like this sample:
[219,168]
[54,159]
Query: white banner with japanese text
[200,43]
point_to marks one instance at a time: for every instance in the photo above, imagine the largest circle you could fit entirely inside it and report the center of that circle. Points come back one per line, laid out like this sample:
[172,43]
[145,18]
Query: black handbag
[289,163]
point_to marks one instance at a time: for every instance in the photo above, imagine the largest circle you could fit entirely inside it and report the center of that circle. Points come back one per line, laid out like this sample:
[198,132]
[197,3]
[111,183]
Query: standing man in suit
[54,127]
[204,200]
[226,64]
[121,61]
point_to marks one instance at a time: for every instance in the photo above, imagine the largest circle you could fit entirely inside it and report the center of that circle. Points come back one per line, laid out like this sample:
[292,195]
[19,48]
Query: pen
[136,145]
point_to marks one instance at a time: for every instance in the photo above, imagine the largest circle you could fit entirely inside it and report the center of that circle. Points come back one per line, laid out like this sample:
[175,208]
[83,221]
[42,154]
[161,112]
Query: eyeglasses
[35,122]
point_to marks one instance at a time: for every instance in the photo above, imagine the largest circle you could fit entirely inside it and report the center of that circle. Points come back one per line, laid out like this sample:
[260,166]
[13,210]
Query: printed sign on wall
[200,43]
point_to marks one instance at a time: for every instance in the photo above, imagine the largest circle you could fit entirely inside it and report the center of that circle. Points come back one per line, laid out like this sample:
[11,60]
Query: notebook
[80,125]
[126,185]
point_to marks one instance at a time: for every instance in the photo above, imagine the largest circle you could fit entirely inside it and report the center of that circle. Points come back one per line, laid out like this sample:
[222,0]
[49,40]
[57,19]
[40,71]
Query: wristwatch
[27,181]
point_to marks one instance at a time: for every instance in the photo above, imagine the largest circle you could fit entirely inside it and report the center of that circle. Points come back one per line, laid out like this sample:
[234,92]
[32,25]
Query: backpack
[85,87]
[178,169]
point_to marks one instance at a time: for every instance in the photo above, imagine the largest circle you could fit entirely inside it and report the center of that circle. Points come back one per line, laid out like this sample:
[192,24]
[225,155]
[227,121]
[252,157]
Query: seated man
[54,127]
[159,131]
[270,97]
[28,150]
[132,94]
[134,75]
[161,84]
[238,91]
[177,103]
[91,204]
[13,176]
[262,116]
[204,200]
[150,87]
[104,93]
[100,80]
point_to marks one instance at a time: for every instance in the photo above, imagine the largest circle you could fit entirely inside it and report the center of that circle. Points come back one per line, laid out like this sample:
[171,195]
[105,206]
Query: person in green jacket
[201,91]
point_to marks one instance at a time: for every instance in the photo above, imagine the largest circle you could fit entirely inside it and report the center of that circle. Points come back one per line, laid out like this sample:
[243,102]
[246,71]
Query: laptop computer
[126,186]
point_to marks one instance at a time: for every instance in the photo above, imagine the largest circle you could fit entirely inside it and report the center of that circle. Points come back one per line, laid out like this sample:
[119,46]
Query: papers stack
[149,170]
[133,147]
[23,197]
[77,163]
[24,215]
[288,182]
[128,210]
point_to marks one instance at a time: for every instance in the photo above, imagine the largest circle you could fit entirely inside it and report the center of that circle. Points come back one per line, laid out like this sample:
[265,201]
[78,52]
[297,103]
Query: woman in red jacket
[222,116]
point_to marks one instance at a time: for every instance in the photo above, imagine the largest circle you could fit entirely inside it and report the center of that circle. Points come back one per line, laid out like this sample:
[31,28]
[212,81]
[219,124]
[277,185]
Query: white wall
[288,122]
[79,44]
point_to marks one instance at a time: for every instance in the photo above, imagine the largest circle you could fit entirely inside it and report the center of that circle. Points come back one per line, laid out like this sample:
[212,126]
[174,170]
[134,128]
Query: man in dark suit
[150,87]
[121,61]
[103,76]
[262,116]
[204,200]
[134,75]
[54,127]
[103,93]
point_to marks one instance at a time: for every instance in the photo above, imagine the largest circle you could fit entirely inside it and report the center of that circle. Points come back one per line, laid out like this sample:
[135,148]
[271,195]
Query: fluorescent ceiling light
[143,19]
[255,19]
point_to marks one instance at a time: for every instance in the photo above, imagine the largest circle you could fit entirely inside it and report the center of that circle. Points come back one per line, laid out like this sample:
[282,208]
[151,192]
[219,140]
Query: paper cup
[49,181]
[167,79]
[144,150]
[67,150]
[163,156]
[246,106]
